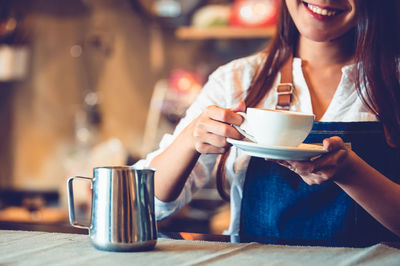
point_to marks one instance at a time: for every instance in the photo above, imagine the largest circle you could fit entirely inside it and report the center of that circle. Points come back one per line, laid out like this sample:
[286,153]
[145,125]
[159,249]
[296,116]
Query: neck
[337,52]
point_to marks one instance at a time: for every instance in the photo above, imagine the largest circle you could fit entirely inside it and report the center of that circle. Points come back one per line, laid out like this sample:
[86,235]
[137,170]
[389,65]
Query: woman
[343,60]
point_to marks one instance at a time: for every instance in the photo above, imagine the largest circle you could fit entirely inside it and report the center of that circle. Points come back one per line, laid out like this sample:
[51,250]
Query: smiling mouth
[322,11]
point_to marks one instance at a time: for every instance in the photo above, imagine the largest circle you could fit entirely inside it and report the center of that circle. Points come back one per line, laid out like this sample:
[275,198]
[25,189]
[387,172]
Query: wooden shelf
[192,33]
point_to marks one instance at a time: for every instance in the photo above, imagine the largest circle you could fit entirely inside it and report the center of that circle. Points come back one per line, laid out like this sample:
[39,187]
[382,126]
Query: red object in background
[254,13]
[185,81]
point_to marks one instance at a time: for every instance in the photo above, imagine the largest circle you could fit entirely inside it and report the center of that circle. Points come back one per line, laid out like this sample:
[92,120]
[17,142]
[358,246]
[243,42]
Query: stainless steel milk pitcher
[122,213]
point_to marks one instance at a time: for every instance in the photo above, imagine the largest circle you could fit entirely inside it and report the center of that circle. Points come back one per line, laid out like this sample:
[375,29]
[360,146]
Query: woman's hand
[212,127]
[326,167]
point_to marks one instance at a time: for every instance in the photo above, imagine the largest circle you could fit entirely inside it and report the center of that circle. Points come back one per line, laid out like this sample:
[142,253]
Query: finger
[314,179]
[316,174]
[310,173]
[302,166]
[317,180]
[241,107]
[218,128]
[206,148]
[282,163]
[333,143]
[308,181]
[223,115]
[332,160]
[214,140]
[325,174]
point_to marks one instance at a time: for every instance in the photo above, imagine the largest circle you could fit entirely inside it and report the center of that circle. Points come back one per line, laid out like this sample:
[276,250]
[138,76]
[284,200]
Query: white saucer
[302,152]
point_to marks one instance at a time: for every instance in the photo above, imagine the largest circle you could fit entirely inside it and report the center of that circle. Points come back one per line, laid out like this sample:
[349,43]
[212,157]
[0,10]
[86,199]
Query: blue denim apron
[279,207]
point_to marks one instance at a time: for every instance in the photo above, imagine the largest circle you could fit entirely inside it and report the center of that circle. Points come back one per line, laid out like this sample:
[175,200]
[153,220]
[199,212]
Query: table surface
[44,248]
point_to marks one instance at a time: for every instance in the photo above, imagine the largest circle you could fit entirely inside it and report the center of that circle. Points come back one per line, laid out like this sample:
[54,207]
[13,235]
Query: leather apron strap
[286,88]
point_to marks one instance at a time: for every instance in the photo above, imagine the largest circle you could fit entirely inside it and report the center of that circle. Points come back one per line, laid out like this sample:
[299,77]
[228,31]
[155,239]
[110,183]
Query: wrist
[349,169]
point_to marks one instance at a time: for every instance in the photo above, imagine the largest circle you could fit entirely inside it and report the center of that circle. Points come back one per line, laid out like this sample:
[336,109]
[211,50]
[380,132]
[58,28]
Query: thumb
[334,143]
[240,107]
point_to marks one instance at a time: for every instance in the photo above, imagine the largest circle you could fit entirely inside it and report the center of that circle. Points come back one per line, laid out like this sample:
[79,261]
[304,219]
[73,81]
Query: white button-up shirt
[226,87]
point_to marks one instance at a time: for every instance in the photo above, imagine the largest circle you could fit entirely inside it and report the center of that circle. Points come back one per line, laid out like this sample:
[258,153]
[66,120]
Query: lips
[322,11]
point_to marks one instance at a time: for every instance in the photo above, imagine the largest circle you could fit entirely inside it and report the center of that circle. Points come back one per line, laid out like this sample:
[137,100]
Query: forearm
[378,195]
[204,135]
[173,167]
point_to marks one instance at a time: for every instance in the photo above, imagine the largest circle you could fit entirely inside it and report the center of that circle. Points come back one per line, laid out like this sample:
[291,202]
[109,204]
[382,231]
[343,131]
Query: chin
[318,36]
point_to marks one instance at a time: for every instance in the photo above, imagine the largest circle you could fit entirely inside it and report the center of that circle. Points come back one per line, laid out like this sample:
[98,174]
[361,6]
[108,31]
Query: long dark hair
[377,56]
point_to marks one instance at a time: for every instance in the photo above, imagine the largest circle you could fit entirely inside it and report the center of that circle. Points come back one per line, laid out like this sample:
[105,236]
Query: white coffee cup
[275,127]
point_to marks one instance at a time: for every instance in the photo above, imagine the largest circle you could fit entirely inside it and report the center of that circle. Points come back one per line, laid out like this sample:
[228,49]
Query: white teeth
[321,11]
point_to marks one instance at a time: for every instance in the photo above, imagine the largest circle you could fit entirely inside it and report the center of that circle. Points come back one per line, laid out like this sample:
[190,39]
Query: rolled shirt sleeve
[211,94]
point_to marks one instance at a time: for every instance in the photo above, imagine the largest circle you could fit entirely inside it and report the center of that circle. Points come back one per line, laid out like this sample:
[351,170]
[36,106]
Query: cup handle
[71,206]
[242,126]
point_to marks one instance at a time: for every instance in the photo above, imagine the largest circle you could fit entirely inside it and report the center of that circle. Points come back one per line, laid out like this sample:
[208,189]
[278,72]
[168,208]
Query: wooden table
[43,248]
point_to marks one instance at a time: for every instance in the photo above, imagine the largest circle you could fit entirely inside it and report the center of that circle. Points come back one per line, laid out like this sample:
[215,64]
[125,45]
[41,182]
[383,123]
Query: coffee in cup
[275,127]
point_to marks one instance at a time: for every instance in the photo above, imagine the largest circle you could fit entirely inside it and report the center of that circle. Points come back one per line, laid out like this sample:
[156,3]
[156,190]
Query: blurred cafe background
[86,83]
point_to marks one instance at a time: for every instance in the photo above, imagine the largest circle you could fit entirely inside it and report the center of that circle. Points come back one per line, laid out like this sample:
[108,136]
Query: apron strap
[286,88]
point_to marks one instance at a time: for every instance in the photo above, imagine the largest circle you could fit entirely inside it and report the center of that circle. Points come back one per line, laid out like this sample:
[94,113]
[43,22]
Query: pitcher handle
[71,206]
